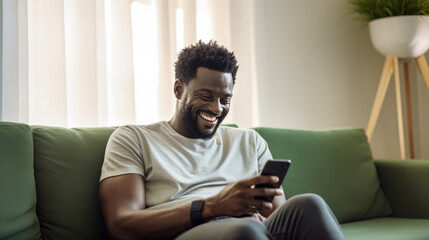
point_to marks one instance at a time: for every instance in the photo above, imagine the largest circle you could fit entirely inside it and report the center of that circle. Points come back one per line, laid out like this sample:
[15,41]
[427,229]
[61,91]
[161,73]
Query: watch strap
[196,212]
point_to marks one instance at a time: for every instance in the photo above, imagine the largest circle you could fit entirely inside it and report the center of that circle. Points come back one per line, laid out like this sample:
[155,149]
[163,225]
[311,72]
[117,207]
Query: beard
[190,121]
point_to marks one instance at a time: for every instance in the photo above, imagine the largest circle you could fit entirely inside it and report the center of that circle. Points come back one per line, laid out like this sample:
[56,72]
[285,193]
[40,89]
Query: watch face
[197,205]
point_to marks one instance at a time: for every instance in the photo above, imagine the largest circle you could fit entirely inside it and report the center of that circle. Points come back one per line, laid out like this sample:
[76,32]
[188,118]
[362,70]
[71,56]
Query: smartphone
[275,167]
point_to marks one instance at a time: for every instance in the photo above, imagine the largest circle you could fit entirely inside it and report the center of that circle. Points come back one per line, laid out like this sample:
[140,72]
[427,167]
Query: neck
[175,124]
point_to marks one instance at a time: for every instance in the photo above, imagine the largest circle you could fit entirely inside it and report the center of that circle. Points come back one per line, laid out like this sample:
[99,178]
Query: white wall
[317,69]
[421,115]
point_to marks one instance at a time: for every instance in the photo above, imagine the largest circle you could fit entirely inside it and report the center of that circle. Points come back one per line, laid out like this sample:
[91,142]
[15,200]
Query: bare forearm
[151,224]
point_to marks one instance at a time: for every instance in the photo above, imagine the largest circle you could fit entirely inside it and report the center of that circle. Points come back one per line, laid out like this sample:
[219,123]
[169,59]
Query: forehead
[215,81]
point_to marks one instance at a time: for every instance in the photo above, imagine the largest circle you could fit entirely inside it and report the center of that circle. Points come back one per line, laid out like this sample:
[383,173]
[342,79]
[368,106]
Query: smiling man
[190,178]
[203,103]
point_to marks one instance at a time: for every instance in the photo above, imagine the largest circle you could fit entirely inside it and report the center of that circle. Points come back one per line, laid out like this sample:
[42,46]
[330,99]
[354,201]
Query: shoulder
[237,131]
[240,133]
[133,131]
[244,135]
[133,128]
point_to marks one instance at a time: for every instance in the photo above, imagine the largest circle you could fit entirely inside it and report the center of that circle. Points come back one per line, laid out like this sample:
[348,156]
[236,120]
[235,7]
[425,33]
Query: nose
[216,107]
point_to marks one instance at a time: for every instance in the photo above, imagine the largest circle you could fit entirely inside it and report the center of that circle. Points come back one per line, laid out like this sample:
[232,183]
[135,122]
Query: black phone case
[276,167]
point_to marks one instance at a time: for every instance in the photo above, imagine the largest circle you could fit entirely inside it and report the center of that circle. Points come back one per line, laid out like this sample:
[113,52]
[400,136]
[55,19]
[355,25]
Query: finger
[257,216]
[249,209]
[259,180]
[267,192]
[260,204]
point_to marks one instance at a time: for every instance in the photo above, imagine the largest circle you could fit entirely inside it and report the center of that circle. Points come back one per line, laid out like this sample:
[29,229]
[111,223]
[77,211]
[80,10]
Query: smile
[208,117]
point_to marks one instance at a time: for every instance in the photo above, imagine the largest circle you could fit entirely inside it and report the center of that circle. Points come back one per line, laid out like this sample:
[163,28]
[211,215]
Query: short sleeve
[123,154]
[263,151]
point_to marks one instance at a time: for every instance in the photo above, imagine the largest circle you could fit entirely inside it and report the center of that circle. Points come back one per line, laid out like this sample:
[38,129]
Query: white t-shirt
[177,169]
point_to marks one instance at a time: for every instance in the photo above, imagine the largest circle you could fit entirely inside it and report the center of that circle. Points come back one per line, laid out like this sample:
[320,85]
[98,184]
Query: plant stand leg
[409,110]
[423,67]
[399,108]
[379,97]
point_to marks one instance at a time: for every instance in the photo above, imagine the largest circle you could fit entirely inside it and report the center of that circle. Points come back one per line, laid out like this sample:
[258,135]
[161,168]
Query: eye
[225,100]
[205,97]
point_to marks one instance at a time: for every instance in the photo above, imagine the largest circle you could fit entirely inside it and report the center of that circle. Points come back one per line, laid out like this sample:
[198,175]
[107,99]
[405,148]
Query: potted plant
[397,27]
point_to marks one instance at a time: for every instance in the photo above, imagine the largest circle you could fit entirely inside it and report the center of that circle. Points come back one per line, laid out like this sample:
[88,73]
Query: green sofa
[49,182]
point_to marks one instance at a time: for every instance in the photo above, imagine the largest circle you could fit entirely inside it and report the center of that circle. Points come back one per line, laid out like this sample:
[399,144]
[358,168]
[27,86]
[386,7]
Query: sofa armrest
[406,185]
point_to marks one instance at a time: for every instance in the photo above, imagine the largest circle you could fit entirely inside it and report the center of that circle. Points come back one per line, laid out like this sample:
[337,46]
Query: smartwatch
[196,211]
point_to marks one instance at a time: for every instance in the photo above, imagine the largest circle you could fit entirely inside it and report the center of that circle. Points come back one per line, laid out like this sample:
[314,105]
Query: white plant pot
[402,36]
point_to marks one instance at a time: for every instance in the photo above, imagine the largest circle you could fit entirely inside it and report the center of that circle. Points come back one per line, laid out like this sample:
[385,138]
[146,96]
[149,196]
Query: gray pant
[305,216]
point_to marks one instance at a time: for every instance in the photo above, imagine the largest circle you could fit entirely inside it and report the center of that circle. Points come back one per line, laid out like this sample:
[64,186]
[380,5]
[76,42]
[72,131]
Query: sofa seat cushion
[387,229]
[18,218]
[336,164]
[67,165]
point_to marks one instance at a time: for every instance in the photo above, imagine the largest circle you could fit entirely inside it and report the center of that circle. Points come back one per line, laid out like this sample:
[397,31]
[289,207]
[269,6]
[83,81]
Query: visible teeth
[207,117]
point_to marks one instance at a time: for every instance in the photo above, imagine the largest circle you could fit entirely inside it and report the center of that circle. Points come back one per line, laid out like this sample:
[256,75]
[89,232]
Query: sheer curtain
[86,63]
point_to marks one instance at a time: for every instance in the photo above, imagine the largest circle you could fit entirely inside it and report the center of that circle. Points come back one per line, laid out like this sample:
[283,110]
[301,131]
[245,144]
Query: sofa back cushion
[336,164]
[67,170]
[18,218]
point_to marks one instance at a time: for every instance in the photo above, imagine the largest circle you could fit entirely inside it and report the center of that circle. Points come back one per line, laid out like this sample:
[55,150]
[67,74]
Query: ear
[179,88]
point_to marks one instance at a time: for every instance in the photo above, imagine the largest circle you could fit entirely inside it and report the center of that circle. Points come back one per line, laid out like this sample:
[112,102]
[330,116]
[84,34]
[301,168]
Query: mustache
[211,113]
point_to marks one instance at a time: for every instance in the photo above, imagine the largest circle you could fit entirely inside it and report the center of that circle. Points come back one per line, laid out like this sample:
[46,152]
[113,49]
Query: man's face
[205,102]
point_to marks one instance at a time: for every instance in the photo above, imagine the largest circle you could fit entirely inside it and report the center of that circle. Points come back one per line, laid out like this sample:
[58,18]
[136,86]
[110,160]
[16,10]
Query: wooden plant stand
[391,66]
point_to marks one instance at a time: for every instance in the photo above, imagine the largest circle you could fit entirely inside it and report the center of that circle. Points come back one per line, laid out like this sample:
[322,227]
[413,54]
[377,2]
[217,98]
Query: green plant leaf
[367,10]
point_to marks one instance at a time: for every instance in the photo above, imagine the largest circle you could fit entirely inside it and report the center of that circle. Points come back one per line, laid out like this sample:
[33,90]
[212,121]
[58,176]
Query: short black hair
[209,55]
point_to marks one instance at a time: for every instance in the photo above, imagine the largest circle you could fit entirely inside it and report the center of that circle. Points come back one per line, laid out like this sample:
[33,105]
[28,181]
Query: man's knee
[306,216]
[307,201]
[234,229]
[248,228]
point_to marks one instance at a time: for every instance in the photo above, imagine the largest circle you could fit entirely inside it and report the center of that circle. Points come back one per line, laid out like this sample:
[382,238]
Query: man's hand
[238,198]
